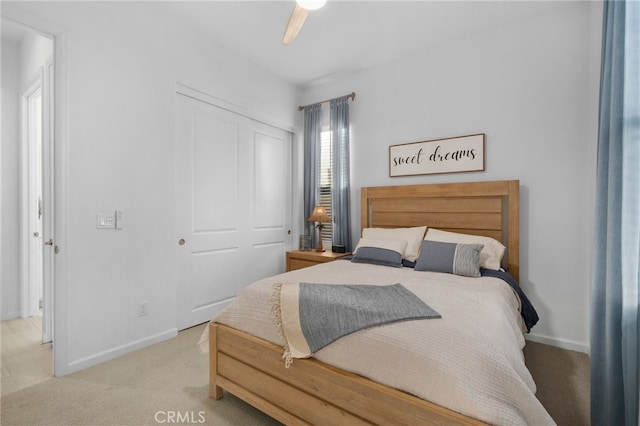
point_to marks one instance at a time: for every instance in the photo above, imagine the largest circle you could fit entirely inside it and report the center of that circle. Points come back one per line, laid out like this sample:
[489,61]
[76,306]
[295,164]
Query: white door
[35,200]
[233,205]
[32,202]
[48,203]
[38,199]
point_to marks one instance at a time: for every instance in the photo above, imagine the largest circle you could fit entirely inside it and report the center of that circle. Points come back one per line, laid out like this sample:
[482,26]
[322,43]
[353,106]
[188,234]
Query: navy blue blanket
[527,311]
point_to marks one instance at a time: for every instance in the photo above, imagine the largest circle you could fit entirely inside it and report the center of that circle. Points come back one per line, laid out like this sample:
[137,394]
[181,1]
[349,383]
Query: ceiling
[345,36]
[342,37]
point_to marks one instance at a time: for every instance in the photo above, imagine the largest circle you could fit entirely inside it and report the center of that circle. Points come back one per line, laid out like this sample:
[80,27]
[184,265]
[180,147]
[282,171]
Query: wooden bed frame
[312,392]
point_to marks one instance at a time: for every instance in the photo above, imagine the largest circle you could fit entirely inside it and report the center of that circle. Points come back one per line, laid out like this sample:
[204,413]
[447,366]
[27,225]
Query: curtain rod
[351,95]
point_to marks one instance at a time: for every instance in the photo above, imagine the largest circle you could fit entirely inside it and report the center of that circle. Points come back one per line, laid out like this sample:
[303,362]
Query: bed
[246,359]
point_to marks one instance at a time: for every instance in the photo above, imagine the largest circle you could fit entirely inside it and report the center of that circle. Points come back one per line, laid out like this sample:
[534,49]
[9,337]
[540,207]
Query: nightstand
[298,259]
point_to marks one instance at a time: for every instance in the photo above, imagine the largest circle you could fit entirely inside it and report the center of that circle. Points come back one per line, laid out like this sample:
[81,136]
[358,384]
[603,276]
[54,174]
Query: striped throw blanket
[311,316]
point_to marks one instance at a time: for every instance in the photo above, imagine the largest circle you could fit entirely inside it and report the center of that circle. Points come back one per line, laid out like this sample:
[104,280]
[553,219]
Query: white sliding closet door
[233,205]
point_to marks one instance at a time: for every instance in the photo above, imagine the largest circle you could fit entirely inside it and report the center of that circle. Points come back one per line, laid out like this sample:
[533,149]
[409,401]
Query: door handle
[48,243]
[181,241]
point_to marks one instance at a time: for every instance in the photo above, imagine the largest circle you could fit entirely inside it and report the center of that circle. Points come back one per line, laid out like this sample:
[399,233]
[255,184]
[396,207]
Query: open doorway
[32,129]
[27,206]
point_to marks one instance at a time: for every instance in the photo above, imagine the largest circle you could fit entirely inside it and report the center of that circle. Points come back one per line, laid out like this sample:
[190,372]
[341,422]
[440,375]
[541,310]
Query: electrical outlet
[143,308]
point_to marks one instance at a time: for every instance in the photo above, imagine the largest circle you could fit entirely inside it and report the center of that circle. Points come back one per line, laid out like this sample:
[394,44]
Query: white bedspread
[470,360]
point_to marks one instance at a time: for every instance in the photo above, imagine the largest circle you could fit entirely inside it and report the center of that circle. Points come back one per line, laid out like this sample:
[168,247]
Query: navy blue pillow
[377,256]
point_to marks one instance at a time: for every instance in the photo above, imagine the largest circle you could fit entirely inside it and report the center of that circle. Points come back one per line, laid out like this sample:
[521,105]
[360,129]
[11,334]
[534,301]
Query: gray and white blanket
[310,315]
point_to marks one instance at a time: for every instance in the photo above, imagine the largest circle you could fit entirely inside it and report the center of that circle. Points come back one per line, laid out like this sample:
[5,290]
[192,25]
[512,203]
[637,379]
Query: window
[326,168]
[325,179]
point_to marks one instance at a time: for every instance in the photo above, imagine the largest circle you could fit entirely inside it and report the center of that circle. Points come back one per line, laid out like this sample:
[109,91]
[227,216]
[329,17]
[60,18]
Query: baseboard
[559,343]
[10,316]
[110,354]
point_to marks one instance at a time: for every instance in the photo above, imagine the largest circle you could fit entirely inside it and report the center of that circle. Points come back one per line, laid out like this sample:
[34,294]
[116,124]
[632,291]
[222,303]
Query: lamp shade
[319,215]
[311,4]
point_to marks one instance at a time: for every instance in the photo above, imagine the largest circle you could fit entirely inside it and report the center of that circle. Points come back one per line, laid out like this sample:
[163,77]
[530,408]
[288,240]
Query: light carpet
[171,379]
[155,385]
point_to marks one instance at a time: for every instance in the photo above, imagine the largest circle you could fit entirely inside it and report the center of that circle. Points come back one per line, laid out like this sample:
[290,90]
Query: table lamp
[319,215]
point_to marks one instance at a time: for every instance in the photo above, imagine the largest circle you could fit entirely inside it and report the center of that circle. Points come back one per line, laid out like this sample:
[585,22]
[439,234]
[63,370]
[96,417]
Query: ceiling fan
[298,15]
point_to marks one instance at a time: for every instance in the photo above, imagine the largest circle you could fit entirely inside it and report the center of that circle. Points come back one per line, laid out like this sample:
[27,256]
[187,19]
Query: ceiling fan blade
[296,20]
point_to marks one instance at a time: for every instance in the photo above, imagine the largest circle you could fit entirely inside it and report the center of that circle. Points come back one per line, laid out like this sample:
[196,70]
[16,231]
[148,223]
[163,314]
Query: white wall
[34,52]
[532,88]
[9,264]
[123,64]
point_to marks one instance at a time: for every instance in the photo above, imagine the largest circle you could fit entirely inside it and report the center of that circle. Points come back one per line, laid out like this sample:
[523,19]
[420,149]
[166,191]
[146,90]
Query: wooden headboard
[481,208]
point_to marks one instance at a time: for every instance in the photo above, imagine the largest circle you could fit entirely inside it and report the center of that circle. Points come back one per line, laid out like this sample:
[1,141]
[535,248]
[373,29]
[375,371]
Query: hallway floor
[25,361]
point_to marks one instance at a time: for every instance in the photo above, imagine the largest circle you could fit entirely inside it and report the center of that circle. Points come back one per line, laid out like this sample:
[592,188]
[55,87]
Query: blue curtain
[615,290]
[312,129]
[340,185]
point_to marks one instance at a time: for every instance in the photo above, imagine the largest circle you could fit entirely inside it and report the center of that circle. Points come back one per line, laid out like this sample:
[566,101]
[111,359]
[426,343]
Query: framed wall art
[450,155]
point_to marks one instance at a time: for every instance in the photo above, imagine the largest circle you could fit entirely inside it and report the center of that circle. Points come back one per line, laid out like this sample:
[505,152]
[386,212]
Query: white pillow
[491,254]
[413,237]
[395,245]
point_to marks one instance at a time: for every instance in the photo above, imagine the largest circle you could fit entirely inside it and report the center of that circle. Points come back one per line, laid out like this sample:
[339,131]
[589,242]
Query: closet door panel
[207,177]
[232,205]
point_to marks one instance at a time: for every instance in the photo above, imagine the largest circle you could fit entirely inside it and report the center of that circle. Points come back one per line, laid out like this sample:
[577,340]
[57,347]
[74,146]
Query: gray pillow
[377,256]
[451,258]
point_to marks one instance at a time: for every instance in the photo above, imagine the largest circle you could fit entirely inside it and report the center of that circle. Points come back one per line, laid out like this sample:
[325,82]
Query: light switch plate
[118,222]
[105,221]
